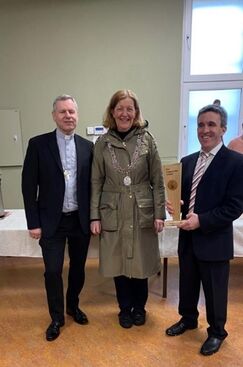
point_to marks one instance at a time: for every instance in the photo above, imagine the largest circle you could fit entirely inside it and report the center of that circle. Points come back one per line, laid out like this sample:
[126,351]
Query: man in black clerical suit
[56,192]
[206,233]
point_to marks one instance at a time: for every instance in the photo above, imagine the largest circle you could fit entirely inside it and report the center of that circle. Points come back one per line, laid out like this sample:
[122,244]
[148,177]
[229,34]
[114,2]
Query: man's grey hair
[63,97]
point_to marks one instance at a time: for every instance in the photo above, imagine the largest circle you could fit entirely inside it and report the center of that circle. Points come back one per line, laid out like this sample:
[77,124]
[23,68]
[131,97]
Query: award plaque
[172,181]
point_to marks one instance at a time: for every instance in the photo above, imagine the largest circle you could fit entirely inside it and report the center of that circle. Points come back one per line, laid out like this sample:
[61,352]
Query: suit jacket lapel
[80,153]
[52,143]
[216,165]
[192,165]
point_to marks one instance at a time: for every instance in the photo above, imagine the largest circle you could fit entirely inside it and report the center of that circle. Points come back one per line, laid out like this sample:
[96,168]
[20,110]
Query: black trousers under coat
[131,293]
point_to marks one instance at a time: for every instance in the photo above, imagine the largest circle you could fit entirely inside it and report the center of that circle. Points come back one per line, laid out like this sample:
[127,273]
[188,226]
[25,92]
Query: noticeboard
[11,147]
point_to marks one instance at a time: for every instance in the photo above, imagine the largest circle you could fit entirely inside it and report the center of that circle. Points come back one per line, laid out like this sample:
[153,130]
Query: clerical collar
[61,135]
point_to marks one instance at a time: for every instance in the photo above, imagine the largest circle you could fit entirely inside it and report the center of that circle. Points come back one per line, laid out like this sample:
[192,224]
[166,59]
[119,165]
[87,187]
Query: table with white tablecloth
[15,240]
[14,237]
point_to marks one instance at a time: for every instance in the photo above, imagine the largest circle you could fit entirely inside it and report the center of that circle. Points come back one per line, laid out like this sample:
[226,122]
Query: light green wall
[89,49]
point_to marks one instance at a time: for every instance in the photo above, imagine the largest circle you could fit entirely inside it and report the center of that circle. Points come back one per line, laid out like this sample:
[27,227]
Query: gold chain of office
[116,165]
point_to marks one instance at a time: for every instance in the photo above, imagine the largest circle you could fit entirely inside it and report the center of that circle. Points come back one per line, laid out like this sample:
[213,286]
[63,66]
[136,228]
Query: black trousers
[131,293]
[53,251]
[214,276]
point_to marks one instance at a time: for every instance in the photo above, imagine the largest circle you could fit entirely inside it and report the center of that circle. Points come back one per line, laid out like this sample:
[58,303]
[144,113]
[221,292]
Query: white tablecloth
[15,240]
[14,237]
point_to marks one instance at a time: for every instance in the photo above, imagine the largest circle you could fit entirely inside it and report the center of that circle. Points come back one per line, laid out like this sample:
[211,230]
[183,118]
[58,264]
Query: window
[212,65]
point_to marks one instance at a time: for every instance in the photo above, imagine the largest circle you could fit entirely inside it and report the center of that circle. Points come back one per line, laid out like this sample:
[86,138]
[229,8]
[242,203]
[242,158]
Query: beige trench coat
[128,242]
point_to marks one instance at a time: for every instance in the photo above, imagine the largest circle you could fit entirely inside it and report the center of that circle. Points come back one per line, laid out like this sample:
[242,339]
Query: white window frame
[186,49]
[186,89]
[199,82]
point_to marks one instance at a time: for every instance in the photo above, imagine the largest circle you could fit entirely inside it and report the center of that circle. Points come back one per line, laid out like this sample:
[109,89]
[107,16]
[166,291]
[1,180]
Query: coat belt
[131,188]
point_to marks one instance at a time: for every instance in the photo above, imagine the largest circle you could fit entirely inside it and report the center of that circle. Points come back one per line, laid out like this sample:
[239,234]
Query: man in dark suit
[56,192]
[206,233]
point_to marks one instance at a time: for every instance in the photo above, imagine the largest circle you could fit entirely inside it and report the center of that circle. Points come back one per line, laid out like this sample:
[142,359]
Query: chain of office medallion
[135,156]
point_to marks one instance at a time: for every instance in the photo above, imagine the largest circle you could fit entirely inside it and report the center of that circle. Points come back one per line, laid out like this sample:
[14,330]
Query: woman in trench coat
[127,205]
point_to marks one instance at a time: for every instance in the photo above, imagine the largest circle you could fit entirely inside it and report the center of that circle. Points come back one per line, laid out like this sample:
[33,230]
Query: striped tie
[199,171]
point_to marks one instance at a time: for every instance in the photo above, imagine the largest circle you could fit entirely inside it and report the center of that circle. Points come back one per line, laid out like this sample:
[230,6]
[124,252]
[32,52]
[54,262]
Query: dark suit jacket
[219,201]
[43,183]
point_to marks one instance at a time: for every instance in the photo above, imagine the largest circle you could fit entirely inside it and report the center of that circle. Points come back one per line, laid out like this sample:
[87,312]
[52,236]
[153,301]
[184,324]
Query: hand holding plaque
[172,180]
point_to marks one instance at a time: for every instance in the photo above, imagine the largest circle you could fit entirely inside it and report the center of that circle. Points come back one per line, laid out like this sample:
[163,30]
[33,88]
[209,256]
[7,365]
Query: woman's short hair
[108,119]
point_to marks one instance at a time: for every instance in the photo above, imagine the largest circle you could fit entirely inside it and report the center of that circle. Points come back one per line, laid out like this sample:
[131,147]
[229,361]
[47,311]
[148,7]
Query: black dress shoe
[78,316]
[179,328]
[139,317]
[211,345]
[53,330]
[125,319]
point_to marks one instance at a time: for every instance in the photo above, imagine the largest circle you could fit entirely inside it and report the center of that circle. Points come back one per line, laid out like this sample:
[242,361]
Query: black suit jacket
[219,201]
[43,184]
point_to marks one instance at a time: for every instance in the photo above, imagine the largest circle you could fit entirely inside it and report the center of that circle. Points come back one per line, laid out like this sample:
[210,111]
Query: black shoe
[78,316]
[125,319]
[211,345]
[139,317]
[53,330]
[179,328]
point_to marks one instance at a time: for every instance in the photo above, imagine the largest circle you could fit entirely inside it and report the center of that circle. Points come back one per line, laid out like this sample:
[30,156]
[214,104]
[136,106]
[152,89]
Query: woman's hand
[95,227]
[158,225]
[170,208]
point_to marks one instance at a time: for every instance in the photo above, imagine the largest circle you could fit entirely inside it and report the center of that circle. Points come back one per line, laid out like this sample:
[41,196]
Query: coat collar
[112,137]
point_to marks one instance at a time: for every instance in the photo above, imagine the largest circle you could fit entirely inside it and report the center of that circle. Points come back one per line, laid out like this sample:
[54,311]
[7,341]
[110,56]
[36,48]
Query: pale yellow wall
[89,49]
